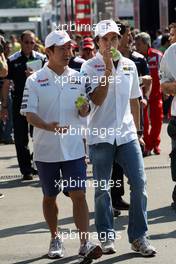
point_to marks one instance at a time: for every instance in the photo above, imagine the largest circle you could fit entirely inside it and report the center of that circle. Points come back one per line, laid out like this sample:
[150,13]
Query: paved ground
[24,236]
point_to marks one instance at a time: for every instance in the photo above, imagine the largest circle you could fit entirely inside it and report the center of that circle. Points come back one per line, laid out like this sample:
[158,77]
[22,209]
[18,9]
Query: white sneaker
[143,246]
[88,252]
[108,247]
[56,249]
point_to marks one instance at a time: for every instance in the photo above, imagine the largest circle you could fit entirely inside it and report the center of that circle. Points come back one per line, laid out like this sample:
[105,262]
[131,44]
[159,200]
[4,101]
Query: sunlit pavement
[24,236]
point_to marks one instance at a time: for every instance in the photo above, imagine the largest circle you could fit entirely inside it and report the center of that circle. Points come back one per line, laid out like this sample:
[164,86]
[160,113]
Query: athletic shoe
[143,246]
[88,252]
[56,249]
[108,247]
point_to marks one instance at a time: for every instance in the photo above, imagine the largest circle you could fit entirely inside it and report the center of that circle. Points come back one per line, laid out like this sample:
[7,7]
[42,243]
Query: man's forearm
[169,87]
[36,121]
[135,110]
[3,66]
[99,94]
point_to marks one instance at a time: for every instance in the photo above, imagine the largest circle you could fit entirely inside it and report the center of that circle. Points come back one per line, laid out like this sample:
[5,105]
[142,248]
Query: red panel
[86,17]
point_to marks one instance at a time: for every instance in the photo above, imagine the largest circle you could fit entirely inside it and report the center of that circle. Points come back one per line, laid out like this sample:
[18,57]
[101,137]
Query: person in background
[167,99]
[165,43]
[15,44]
[39,46]
[7,126]
[3,63]
[87,51]
[168,85]
[3,73]
[157,42]
[172,32]
[18,73]
[154,108]
[87,48]
[125,47]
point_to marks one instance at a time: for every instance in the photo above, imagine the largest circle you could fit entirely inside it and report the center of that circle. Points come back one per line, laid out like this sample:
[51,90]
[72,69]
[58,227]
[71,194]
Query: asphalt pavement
[24,235]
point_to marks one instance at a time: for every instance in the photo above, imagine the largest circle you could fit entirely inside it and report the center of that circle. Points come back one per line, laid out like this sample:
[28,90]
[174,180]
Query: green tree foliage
[19,4]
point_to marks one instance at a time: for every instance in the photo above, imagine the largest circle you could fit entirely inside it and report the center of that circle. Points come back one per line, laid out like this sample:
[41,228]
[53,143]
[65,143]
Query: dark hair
[96,39]
[164,39]
[122,25]
[51,47]
[27,32]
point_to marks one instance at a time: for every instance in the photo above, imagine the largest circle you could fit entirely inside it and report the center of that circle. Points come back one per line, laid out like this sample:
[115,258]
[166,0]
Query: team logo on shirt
[99,67]
[126,69]
[44,82]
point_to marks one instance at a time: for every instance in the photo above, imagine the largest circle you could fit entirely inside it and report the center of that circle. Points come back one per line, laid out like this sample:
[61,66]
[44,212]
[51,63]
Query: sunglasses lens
[29,42]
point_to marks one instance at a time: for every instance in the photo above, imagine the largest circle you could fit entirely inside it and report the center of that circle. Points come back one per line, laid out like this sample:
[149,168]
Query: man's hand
[141,141]
[84,110]
[28,72]
[146,80]
[146,85]
[54,127]
[107,57]
[144,102]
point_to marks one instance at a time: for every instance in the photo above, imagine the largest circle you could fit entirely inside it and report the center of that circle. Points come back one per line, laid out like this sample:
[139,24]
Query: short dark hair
[51,47]
[27,32]
[123,25]
[165,39]
[96,39]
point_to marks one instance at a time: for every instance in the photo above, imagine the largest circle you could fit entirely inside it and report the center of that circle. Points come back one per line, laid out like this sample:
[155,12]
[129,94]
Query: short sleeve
[165,75]
[135,90]
[30,98]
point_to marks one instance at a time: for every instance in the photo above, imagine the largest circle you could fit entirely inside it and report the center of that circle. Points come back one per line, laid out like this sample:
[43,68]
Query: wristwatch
[140,132]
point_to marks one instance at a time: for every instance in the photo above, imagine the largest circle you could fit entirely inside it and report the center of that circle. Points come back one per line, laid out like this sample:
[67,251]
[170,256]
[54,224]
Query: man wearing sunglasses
[18,72]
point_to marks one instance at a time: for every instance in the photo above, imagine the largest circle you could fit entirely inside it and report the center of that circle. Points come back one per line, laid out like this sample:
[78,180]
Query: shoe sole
[55,256]
[24,179]
[109,252]
[144,254]
[94,254]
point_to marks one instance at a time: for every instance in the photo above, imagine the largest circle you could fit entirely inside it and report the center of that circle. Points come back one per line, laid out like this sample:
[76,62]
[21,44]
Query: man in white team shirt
[113,89]
[168,86]
[49,104]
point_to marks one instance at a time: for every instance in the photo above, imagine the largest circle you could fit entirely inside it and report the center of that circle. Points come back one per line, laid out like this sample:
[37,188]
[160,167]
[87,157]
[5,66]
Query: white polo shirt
[52,98]
[168,71]
[113,119]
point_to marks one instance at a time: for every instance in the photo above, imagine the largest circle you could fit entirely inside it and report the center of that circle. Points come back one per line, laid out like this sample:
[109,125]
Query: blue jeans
[129,157]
